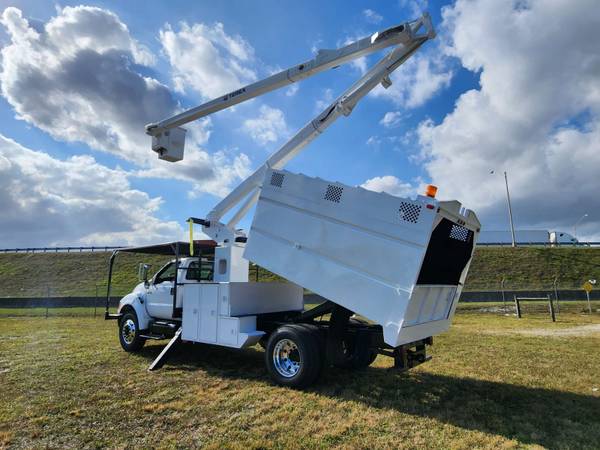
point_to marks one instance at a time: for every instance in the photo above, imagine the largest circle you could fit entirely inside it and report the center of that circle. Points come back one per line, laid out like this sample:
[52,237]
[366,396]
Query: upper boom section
[325,59]
[169,145]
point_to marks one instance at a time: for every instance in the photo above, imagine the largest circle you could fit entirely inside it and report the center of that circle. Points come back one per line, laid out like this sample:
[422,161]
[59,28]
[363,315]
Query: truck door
[159,295]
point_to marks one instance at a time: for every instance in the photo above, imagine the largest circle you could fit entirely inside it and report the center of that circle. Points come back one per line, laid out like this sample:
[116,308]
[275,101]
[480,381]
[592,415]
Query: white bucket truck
[389,269]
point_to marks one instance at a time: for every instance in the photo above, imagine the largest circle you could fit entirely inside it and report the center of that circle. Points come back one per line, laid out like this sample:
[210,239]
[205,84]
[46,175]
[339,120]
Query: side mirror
[143,272]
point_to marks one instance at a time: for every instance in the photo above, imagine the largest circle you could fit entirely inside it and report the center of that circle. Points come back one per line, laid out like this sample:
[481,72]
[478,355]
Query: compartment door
[209,297]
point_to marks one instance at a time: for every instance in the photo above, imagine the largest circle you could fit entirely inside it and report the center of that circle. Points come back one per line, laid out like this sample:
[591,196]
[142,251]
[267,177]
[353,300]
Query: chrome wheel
[128,331]
[286,358]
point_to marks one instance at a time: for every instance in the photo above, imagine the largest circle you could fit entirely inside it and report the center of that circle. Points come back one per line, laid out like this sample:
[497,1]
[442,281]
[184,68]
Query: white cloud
[391,185]
[416,81]
[214,174]
[292,90]
[391,119]
[371,16]
[415,7]
[373,141]
[74,78]
[207,59]
[77,201]
[269,126]
[536,113]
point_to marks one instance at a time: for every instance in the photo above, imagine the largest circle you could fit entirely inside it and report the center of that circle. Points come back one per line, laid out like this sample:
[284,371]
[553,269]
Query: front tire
[129,332]
[293,356]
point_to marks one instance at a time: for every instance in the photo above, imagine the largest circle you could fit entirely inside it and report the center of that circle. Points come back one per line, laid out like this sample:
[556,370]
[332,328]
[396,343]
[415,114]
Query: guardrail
[59,249]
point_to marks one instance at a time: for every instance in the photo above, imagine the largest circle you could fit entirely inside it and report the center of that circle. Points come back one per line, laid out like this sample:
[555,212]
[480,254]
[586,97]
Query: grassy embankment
[78,274]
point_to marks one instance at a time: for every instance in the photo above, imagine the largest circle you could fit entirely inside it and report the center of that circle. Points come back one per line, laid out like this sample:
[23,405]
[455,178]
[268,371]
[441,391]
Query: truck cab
[207,296]
[160,288]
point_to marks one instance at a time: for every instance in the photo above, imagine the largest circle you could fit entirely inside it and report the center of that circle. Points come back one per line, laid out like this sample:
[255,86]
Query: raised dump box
[398,262]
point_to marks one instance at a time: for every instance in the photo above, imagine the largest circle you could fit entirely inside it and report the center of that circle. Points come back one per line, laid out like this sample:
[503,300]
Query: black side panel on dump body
[448,253]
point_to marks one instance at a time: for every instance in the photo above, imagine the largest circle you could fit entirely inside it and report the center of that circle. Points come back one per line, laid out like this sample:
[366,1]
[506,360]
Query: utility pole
[510,215]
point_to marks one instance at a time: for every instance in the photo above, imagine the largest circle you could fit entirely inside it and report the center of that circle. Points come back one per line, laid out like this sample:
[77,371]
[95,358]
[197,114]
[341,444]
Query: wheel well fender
[133,302]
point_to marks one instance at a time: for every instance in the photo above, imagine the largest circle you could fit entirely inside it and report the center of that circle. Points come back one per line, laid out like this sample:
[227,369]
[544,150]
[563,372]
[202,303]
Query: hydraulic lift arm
[407,38]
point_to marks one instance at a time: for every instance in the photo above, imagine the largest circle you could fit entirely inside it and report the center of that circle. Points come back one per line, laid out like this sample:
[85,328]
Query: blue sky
[469,102]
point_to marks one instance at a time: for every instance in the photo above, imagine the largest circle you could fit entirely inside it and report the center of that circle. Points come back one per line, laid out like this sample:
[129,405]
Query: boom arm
[407,39]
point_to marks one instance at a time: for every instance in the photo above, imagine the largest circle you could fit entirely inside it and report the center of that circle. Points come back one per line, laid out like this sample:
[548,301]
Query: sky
[505,86]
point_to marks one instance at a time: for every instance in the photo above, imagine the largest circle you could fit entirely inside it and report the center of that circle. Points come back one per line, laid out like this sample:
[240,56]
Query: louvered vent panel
[334,193]
[410,212]
[277,179]
[459,233]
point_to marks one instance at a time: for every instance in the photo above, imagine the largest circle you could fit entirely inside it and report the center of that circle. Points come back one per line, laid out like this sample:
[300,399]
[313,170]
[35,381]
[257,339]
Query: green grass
[66,383]
[532,267]
[77,274]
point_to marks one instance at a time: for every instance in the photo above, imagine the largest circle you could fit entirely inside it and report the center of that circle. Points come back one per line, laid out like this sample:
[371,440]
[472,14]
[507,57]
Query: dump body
[398,262]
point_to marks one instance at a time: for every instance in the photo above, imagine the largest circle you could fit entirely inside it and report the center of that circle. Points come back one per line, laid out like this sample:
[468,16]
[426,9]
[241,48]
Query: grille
[459,233]
[277,179]
[334,193]
[410,212]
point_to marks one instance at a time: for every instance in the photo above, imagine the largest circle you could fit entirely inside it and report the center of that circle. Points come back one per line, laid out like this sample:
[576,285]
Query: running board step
[162,357]
[156,337]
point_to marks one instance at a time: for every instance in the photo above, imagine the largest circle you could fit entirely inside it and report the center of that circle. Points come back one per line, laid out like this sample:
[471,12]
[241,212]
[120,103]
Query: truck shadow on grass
[550,418]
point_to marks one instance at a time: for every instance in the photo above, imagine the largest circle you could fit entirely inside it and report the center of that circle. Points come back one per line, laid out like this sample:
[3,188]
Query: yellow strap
[191,237]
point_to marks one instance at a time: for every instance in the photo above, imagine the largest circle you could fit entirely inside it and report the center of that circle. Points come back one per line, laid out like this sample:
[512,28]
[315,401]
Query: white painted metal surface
[260,298]
[229,264]
[360,249]
[205,317]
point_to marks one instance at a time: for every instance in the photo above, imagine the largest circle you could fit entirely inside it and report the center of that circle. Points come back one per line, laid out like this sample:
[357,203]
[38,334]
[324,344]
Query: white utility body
[400,263]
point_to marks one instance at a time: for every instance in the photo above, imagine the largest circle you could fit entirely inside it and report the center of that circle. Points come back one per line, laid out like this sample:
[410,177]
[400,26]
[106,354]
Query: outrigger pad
[162,357]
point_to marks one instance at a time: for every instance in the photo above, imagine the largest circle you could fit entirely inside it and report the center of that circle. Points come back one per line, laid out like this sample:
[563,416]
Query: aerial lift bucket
[398,262]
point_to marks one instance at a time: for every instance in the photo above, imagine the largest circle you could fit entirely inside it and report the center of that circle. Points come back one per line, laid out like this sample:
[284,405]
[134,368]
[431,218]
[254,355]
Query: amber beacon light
[431,190]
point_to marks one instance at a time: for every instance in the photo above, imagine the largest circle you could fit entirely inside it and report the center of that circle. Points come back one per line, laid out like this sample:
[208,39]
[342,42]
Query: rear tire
[293,356]
[357,353]
[129,332]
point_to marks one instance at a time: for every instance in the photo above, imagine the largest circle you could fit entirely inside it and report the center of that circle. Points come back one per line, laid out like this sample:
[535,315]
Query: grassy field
[494,382]
[78,274]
